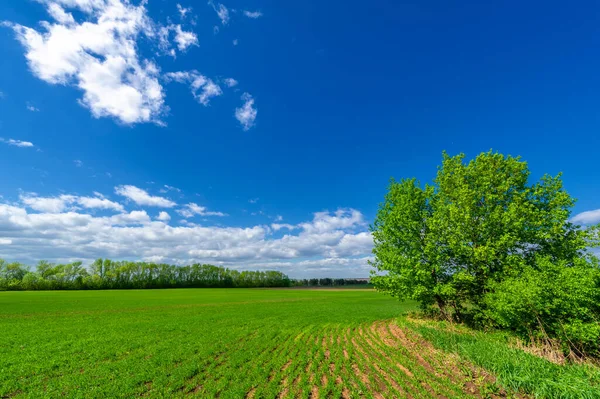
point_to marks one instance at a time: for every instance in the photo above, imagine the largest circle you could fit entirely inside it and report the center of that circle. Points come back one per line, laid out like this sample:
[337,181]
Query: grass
[515,369]
[236,343]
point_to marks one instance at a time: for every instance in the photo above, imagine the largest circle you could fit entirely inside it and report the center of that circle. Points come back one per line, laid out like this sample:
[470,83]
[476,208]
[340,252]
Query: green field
[229,343]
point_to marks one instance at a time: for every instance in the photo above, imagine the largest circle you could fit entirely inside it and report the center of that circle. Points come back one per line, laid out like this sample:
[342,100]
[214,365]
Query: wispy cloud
[78,163]
[247,113]
[221,10]
[230,82]
[141,197]
[166,188]
[183,39]
[17,143]
[183,11]
[587,218]
[32,108]
[253,14]
[193,209]
[202,88]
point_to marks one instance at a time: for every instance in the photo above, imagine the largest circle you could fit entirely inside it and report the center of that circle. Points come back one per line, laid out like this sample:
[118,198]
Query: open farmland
[229,343]
[204,343]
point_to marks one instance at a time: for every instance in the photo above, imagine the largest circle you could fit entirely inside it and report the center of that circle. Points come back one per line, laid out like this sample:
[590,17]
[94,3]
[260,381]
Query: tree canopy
[451,243]
[109,274]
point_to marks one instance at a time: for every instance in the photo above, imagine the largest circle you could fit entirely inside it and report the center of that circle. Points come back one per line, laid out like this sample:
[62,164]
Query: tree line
[484,246]
[108,274]
[328,282]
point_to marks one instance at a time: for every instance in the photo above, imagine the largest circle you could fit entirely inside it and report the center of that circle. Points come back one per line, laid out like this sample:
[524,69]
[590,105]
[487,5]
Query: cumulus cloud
[17,143]
[247,113]
[141,197]
[98,203]
[193,209]
[253,14]
[39,228]
[98,55]
[279,226]
[68,202]
[587,218]
[163,216]
[202,88]
[222,12]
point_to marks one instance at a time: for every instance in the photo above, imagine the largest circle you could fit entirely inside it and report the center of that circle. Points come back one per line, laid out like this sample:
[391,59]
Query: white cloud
[99,56]
[185,39]
[247,113]
[221,11]
[339,220]
[279,218]
[235,42]
[163,216]
[340,247]
[60,15]
[230,82]
[17,143]
[253,200]
[253,14]
[141,197]
[46,204]
[183,11]
[182,38]
[68,202]
[32,108]
[166,188]
[279,226]
[193,209]
[78,163]
[5,241]
[99,203]
[587,218]
[202,88]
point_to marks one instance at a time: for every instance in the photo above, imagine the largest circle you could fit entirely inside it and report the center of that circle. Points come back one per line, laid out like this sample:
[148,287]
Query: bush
[552,300]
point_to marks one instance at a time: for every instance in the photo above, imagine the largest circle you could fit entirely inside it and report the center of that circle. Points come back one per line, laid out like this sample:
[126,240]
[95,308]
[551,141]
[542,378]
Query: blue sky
[259,114]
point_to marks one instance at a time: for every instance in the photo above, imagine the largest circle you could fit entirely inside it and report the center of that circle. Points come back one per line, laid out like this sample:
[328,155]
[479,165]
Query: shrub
[550,300]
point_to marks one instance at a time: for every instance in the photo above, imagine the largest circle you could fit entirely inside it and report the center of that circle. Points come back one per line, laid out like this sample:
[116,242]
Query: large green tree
[479,223]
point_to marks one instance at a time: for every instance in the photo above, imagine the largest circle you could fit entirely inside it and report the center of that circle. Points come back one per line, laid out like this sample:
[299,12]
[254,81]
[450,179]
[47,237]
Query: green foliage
[108,274]
[479,229]
[552,299]
[515,369]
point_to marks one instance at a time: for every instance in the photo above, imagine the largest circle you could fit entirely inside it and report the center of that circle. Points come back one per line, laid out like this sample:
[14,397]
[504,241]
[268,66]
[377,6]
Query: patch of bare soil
[451,366]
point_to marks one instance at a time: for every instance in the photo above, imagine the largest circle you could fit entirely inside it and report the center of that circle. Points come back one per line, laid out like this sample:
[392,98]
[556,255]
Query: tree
[479,223]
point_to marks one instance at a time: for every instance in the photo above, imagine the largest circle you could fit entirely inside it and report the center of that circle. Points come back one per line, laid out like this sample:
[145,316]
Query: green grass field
[228,343]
